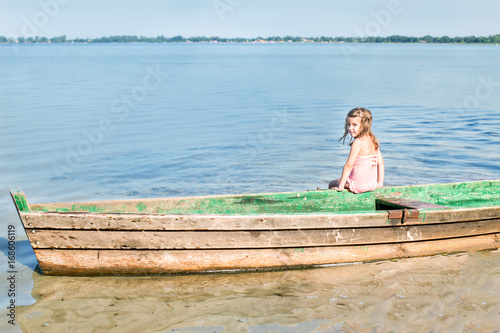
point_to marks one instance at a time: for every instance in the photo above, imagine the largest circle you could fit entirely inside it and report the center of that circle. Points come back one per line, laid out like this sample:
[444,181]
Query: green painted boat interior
[453,195]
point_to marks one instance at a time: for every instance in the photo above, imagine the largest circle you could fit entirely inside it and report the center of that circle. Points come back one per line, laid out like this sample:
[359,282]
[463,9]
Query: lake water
[94,122]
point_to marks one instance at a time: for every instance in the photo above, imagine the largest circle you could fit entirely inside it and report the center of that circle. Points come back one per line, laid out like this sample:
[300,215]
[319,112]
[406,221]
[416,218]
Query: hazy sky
[248,18]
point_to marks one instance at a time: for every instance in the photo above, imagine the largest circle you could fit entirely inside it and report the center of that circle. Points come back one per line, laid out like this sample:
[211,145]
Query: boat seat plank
[409,203]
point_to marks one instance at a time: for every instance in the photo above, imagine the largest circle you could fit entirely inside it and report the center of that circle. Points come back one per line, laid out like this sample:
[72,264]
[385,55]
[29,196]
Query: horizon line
[252,38]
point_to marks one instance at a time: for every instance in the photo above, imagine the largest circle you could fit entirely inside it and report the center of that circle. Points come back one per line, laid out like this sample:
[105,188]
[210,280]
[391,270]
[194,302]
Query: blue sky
[248,18]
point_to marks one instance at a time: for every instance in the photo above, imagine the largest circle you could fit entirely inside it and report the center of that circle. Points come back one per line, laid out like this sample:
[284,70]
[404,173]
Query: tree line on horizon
[492,39]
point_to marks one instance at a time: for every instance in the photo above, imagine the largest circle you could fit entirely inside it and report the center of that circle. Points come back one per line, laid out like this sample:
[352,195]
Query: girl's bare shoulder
[367,146]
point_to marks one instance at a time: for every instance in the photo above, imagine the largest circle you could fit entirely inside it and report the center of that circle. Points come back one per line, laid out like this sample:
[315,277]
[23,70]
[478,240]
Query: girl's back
[367,146]
[364,174]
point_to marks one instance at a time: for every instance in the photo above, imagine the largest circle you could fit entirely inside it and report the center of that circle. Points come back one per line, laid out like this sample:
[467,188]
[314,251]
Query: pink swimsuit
[364,174]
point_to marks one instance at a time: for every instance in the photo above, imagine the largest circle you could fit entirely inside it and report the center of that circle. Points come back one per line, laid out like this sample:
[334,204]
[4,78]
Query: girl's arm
[381,170]
[355,148]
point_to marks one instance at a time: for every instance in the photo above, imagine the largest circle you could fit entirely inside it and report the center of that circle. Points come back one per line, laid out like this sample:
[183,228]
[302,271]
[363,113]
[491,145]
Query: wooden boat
[260,231]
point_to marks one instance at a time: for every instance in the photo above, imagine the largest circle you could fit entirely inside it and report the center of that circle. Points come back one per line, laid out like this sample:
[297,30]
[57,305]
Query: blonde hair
[366,125]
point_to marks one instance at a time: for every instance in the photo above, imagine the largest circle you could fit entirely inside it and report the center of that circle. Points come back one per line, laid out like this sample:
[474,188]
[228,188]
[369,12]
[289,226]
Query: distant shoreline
[395,39]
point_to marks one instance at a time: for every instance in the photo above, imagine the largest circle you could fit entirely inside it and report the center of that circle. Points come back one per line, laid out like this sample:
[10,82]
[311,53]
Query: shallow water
[408,295]
[93,122]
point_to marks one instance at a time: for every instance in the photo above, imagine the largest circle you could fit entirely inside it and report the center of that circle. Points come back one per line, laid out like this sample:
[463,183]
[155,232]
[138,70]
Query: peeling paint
[338,236]
[413,234]
[141,206]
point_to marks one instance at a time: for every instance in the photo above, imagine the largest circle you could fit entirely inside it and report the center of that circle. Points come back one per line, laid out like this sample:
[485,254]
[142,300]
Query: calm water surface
[94,122]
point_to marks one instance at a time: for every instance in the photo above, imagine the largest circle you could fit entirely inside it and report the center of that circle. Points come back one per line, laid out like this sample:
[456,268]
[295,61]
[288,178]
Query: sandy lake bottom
[407,295]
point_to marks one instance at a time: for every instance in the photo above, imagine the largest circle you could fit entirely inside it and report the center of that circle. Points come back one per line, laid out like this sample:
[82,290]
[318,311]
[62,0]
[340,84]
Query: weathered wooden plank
[136,262]
[45,220]
[102,239]
[458,215]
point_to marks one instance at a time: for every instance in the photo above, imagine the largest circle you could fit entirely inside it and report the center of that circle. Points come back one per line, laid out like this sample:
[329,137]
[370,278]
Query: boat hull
[100,242]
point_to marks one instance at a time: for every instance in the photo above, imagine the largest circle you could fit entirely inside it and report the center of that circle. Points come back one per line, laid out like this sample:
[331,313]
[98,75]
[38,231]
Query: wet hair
[366,125]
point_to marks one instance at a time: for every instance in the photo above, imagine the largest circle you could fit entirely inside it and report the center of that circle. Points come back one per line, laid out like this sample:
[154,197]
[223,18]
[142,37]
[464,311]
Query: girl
[364,169]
